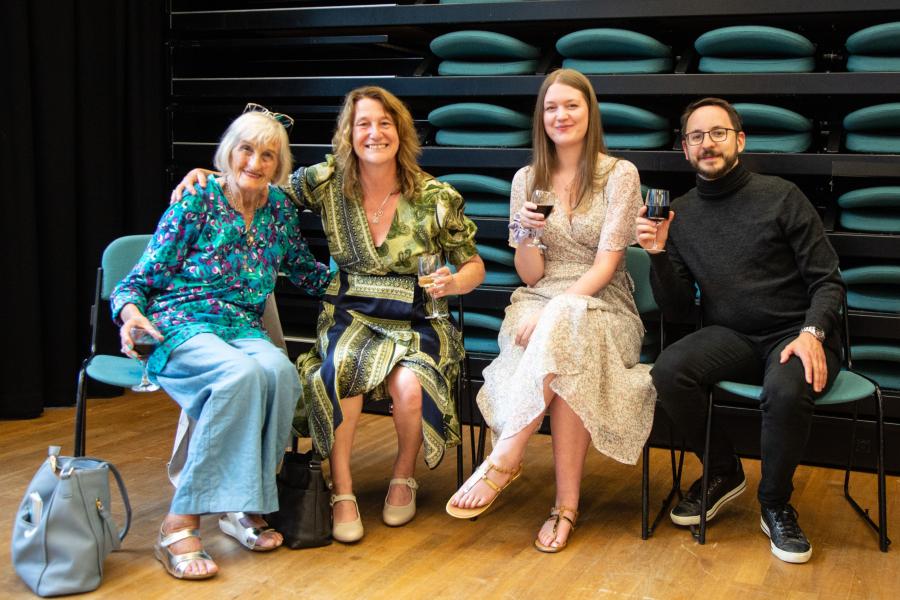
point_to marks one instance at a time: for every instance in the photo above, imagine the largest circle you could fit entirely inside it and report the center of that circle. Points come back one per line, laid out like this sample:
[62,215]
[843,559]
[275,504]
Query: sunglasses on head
[286,121]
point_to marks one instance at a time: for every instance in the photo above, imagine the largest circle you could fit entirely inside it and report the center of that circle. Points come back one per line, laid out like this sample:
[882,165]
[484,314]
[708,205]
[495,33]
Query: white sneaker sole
[711,512]
[790,557]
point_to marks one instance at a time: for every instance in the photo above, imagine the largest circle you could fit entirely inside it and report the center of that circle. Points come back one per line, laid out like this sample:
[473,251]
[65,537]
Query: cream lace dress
[591,343]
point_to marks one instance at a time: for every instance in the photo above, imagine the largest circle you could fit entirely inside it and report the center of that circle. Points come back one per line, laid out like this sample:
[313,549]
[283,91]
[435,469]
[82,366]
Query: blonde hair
[259,129]
[407,154]
[544,161]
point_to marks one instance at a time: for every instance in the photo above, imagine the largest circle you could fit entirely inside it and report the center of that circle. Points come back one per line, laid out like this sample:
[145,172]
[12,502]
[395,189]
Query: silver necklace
[379,212]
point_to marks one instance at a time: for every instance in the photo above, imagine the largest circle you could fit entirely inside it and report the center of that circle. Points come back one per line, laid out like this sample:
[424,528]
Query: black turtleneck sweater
[756,248]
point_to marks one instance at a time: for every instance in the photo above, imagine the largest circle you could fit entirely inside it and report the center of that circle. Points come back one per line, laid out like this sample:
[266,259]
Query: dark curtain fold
[83,138]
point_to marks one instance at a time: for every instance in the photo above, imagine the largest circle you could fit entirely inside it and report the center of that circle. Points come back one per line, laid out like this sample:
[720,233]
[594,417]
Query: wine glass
[144,343]
[657,202]
[428,264]
[545,201]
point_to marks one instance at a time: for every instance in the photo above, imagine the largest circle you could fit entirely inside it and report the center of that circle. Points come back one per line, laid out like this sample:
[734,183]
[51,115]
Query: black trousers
[685,371]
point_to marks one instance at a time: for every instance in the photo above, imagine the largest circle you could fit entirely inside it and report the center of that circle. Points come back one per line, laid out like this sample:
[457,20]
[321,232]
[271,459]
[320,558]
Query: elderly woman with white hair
[199,289]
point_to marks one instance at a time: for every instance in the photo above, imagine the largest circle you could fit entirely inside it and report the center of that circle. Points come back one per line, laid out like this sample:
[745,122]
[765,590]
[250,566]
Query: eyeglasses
[719,134]
[286,121]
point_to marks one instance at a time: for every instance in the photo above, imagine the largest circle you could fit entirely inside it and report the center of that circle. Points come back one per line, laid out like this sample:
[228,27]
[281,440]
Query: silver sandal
[176,564]
[230,524]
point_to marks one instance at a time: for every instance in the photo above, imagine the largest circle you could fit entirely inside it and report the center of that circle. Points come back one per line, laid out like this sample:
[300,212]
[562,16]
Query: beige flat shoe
[486,467]
[230,524]
[395,516]
[556,513]
[176,564]
[351,531]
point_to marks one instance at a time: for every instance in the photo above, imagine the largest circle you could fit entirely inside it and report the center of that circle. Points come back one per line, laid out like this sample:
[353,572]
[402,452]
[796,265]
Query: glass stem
[145,378]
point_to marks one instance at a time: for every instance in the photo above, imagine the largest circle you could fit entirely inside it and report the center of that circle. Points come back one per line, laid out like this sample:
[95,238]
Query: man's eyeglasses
[719,134]
[286,121]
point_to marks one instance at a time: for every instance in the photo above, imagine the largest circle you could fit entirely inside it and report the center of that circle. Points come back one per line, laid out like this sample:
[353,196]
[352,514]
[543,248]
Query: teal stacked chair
[773,128]
[633,128]
[849,387]
[499,264]
[874,129]
[871,210]
[480,124]
[880,362]
[874,288]
[481,333]
[485,196]
[474,52]
[875,48]
[118,259]
[754,49]
[604,50]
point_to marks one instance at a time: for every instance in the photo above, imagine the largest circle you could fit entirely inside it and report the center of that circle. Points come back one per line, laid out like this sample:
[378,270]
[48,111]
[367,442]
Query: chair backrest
[119,258]
[637,261]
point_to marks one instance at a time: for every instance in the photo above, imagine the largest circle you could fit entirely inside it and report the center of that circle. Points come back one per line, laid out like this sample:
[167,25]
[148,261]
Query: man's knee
[786,394]
[668,374]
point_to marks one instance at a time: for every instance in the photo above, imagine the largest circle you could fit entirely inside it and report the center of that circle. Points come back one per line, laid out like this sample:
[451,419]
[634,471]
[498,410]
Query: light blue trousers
[242,395]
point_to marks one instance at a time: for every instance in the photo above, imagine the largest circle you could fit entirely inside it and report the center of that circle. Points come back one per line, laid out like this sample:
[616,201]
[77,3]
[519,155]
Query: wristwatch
[814,331]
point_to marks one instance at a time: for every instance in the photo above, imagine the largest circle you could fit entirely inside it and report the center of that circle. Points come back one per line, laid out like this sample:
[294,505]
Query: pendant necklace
[379,212]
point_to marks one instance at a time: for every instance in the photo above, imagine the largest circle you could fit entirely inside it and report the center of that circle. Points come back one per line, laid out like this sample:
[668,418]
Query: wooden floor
[436,556]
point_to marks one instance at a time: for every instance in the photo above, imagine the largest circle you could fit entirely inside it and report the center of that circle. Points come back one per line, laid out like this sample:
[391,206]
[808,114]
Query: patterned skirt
[368,325]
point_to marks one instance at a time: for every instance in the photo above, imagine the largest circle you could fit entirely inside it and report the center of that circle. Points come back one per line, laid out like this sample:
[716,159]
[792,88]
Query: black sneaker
[722,488]
[788,542]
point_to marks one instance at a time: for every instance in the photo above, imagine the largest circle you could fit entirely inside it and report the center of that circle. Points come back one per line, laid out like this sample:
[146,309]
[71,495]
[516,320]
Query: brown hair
[544,160]
[733,115]
[407,155]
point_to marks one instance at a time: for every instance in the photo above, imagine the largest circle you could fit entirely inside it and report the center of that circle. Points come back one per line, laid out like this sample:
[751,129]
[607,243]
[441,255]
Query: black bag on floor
[304,514]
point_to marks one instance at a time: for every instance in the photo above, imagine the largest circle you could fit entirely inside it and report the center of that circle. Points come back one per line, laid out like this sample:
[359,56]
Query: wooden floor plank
[436,556]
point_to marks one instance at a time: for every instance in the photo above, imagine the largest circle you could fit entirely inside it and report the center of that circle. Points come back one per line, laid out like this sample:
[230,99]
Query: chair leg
[648,528]
[881,526]
[645,491]
[704,486]
[80,412]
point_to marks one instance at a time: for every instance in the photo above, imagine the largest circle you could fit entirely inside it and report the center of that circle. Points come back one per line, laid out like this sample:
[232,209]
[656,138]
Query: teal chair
[499,266]
[773,128]
[875,48]
[873,288]
[849,387]
[872,209]
[878,362]
[118,259]
[874,129]
[754,49]
[481,125]
[480,53]
[485,196]
[613,51]
[633,128]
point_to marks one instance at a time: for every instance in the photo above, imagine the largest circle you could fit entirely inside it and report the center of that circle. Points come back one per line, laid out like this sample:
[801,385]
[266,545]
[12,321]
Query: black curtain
[83,153]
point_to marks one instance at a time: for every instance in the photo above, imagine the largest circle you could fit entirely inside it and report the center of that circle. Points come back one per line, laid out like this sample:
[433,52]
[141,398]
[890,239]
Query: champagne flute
[657,202]
[545,201]
[144,343]
[428,264]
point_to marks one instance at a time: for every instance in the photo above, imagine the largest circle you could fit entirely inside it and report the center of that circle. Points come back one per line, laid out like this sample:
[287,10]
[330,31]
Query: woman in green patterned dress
[380,212]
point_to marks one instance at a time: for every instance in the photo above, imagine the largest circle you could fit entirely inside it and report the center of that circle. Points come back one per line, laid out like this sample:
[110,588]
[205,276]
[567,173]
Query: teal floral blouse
[205,272]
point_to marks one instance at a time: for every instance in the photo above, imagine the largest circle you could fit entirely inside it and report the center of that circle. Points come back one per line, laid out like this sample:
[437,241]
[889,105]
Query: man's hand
[652,235]
[526,328]
[810,352]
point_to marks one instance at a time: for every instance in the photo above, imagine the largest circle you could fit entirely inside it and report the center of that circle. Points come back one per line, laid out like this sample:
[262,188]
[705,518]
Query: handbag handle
[122,491]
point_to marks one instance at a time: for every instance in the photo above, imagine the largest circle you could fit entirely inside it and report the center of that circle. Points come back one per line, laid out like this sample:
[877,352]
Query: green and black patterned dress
[373,315]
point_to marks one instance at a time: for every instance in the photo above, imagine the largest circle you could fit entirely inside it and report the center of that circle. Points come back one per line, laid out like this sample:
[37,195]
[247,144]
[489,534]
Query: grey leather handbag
[63,530]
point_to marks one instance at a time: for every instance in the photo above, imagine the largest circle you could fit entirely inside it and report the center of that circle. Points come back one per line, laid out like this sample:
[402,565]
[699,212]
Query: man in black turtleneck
[771,296]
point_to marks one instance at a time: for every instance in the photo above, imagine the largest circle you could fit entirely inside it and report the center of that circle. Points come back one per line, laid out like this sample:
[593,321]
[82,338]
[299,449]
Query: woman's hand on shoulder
[526,328]
[193,176]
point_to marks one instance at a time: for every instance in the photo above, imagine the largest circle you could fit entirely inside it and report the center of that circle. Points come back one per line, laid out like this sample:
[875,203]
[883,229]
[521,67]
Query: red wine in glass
[144,343]
[657,213]
[657,202]
[544,209]
[544,201]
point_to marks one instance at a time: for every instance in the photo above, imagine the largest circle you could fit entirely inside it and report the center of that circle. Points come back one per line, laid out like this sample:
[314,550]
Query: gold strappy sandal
[485,468]
[556,513]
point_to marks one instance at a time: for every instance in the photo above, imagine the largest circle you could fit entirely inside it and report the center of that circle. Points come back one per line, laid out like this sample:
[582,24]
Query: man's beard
[728,164]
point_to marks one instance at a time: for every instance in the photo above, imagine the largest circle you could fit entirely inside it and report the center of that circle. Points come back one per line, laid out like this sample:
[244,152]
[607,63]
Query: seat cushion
[872,274]
[713,64]
[871,220]
[771,118]
[472,182]
[501,256]
[478,69]
[502,276]
[590,66]
[466,114]
[881,362]
[593,43]
[753,40]
[884,196]
[485,207]
[873,64]
[625,116]
[873,287]
[486,139]
[873,143]
[874,118]
[781,142]
[481,45]
[636,141]
[881,39]
[115,370]
[847,387]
